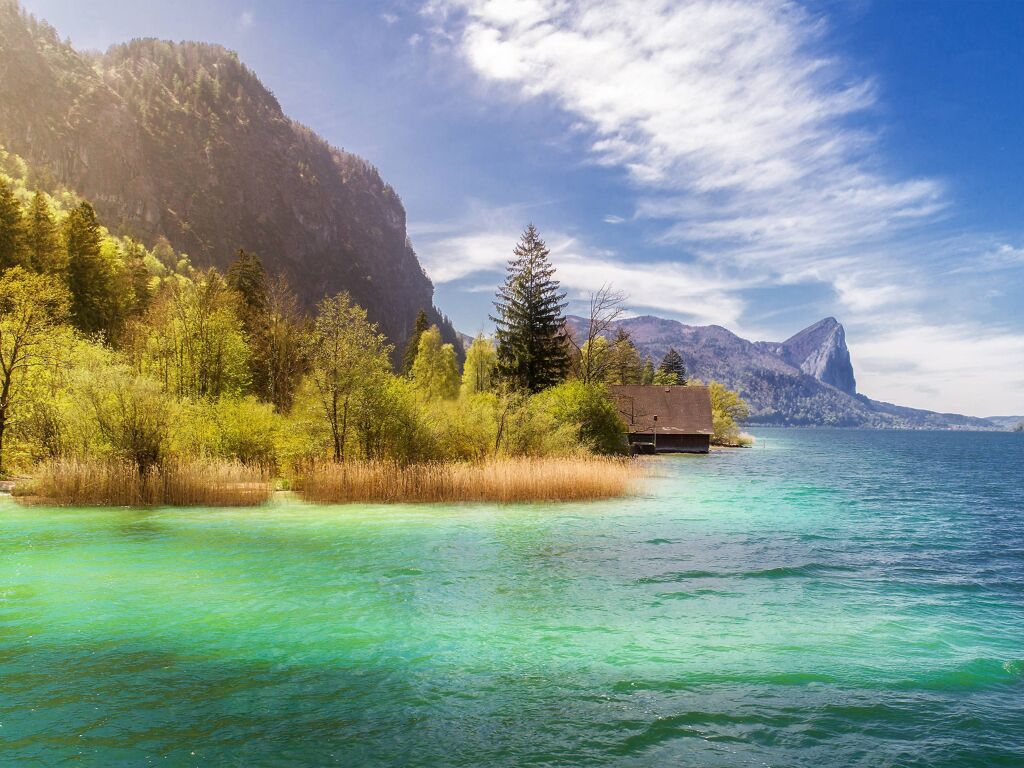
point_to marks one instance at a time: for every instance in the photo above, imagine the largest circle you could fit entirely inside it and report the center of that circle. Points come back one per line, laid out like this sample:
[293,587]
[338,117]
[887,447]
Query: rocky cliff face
[183,141]
[819,351]
[806,380]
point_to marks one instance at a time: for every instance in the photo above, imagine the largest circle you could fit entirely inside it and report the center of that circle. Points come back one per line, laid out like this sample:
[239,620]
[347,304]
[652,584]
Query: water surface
[828,597]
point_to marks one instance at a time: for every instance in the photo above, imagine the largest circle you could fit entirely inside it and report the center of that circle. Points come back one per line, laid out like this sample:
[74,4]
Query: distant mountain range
[806,380]
[182,141]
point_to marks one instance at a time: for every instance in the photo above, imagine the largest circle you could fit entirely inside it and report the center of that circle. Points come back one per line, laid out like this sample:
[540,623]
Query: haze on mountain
[181,141]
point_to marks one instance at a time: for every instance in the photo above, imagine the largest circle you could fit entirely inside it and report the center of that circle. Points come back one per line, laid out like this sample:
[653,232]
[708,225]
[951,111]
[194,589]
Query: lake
[828,597]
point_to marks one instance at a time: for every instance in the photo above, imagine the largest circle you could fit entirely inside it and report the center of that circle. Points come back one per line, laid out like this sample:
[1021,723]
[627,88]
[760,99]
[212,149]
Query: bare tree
[607,305]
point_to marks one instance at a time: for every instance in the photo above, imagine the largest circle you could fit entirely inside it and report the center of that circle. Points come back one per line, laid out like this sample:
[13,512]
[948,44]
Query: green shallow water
[829,597]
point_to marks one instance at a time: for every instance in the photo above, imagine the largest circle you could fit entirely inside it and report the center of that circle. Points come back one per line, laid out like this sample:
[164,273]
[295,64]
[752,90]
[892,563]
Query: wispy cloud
[729,113]
[246,19]
[482,242]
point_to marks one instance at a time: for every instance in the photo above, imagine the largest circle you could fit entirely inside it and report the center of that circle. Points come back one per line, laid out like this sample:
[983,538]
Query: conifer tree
[671,371]
[89,275]
[247,278]
[529,316]
[412,346]
[13,247]
[44,246]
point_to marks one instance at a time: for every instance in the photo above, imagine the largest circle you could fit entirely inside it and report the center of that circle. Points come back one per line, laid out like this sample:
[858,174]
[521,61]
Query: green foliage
[32,308]
[192,340]
[412,346]
[283,341]
[89,274]
[479,374]
[647,372]
[13,242]
[43,238]
[230,428]
[435,372]
[529,316]
[347,355]
[132,413]
[590,410]
[624,365]
[672,371]
[728,411]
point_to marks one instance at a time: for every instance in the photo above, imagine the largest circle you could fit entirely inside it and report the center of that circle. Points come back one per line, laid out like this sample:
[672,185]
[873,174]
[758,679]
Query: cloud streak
[745,140]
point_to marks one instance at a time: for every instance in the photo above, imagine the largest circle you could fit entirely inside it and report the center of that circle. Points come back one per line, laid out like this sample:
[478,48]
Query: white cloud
[916,365]
[612,218]
[744,137]
[389,18]
[246,20]
[454,251]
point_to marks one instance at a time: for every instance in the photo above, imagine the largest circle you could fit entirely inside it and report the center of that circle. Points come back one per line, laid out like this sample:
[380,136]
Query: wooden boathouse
[661,419]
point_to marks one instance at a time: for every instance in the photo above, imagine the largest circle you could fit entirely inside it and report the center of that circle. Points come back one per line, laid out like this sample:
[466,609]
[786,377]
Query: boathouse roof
[681,410]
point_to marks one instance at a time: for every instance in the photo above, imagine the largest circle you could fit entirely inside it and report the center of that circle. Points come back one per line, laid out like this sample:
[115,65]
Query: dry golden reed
[72,483]
[502,480]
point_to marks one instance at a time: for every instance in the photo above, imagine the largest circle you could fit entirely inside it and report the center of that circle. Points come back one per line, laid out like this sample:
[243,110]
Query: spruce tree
[531,347]
[44,245]
[247,278]
[88,273]
[13,248]
[412,346]
[671,371]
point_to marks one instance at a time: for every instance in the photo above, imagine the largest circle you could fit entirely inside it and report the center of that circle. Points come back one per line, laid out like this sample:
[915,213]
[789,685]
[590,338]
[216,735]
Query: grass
[501,480]
[73,483]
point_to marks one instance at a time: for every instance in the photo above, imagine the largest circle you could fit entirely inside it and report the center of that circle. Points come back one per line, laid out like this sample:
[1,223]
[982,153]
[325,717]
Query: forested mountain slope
[183,141]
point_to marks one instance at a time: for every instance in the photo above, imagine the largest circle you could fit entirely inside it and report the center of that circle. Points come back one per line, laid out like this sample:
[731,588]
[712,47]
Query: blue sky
[757,165]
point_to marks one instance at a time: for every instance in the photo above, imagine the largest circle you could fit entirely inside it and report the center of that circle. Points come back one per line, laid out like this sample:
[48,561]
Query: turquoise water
[828,598]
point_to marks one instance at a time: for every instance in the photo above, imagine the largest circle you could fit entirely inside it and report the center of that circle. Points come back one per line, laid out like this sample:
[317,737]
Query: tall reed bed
[501,480]
[73,483]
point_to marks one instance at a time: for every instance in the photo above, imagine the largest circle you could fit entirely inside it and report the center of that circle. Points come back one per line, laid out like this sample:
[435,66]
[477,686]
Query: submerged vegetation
[128,376]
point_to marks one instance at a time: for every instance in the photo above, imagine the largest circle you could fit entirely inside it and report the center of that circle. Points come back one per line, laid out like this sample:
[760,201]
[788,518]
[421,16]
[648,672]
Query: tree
[283,344]
[728,411]
[193,342]
[248,280]
[478,374]
[13,246]
[671,371]
[624,364]
[32,308]
[44,246]
[435,372]
[412,346]
[346,354]
[89,276]
[592,360]
[647,372]
[529,317]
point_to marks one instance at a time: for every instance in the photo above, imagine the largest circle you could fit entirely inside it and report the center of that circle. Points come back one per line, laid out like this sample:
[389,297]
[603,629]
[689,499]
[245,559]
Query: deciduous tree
[32,307]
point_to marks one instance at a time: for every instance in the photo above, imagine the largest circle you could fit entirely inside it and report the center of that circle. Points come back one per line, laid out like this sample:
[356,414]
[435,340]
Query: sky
[755,164]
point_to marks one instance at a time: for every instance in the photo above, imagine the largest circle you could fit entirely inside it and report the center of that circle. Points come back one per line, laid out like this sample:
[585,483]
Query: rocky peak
[820,351]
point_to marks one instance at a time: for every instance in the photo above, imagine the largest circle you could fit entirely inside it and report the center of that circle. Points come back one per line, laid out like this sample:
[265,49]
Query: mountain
[1007,422]
[819,351]
[182,141]
[806,380]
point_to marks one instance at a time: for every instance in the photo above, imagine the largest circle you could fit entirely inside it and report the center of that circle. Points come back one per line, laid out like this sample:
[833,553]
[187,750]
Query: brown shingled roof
[680,410]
